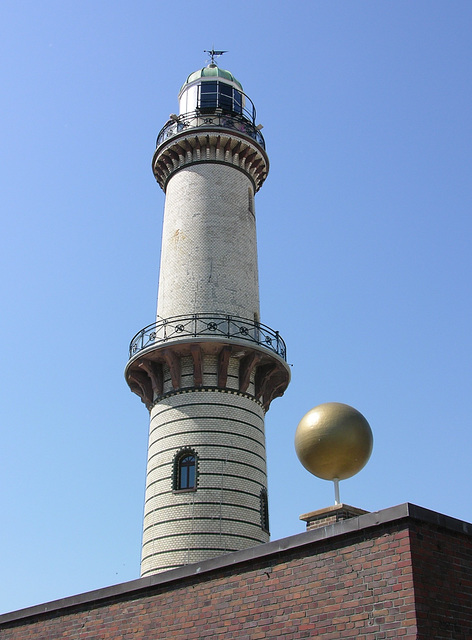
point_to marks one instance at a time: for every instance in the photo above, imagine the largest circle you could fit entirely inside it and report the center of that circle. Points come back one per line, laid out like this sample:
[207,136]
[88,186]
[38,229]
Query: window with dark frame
[264,506]
[225,95]
[237,101]
[208,95]
[185,471]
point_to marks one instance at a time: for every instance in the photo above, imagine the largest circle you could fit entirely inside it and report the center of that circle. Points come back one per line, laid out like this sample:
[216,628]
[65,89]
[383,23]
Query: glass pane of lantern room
[226,97]
[237,101]
[208,95]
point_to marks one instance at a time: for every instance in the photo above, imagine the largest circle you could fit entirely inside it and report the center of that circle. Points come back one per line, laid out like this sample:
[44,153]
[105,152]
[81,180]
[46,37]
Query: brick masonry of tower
[227,430]
[404,572]
[209,249]
[208,369]
[208,264]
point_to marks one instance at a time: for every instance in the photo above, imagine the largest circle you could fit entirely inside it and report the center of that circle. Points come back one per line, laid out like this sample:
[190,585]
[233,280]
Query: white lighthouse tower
[207,369]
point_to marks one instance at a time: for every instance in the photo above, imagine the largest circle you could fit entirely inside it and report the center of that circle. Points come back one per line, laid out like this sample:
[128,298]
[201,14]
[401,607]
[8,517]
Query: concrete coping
[367,521]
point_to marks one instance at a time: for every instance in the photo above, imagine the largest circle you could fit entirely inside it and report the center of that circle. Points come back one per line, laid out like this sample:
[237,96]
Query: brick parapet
[359,578]
[442,577]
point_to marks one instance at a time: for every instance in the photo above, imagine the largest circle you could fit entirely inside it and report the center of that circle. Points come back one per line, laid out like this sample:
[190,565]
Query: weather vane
[214,54]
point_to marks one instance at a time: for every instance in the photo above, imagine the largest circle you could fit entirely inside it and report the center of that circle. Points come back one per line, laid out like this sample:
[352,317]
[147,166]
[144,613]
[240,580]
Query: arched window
[264,505]
[185,471]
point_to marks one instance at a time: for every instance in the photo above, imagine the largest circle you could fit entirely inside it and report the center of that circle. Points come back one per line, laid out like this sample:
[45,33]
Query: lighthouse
[207,369]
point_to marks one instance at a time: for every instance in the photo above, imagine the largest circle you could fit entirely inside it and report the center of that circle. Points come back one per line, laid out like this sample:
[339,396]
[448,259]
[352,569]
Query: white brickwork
[208,265]
[209,251]
[226,431]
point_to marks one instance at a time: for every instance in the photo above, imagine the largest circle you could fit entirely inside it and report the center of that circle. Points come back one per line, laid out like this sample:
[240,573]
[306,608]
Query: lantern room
[215,90]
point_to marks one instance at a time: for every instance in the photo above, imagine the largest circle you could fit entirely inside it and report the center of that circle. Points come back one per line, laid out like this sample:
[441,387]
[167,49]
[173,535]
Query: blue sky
[364,233]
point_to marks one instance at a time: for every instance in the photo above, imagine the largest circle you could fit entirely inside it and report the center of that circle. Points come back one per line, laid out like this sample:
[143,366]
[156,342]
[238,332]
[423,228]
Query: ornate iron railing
[207,326]
[198,119]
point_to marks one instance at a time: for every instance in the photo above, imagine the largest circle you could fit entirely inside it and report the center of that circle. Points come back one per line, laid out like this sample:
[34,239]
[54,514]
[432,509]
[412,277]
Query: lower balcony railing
[207,326]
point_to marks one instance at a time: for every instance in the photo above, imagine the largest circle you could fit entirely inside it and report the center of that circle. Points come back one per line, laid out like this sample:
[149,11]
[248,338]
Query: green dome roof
[212,71]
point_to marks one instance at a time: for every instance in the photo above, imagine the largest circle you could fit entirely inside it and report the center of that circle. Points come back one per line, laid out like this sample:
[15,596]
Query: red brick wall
[359,585]
[443,583]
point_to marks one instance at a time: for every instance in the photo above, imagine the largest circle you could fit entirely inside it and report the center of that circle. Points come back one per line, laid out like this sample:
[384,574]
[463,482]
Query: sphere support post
[337,499]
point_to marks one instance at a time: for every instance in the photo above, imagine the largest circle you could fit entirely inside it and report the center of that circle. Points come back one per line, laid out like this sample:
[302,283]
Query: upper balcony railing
[202,118]
[203,325]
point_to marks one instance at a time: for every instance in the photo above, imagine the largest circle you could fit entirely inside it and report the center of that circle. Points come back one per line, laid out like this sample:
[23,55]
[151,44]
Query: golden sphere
[333,441]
